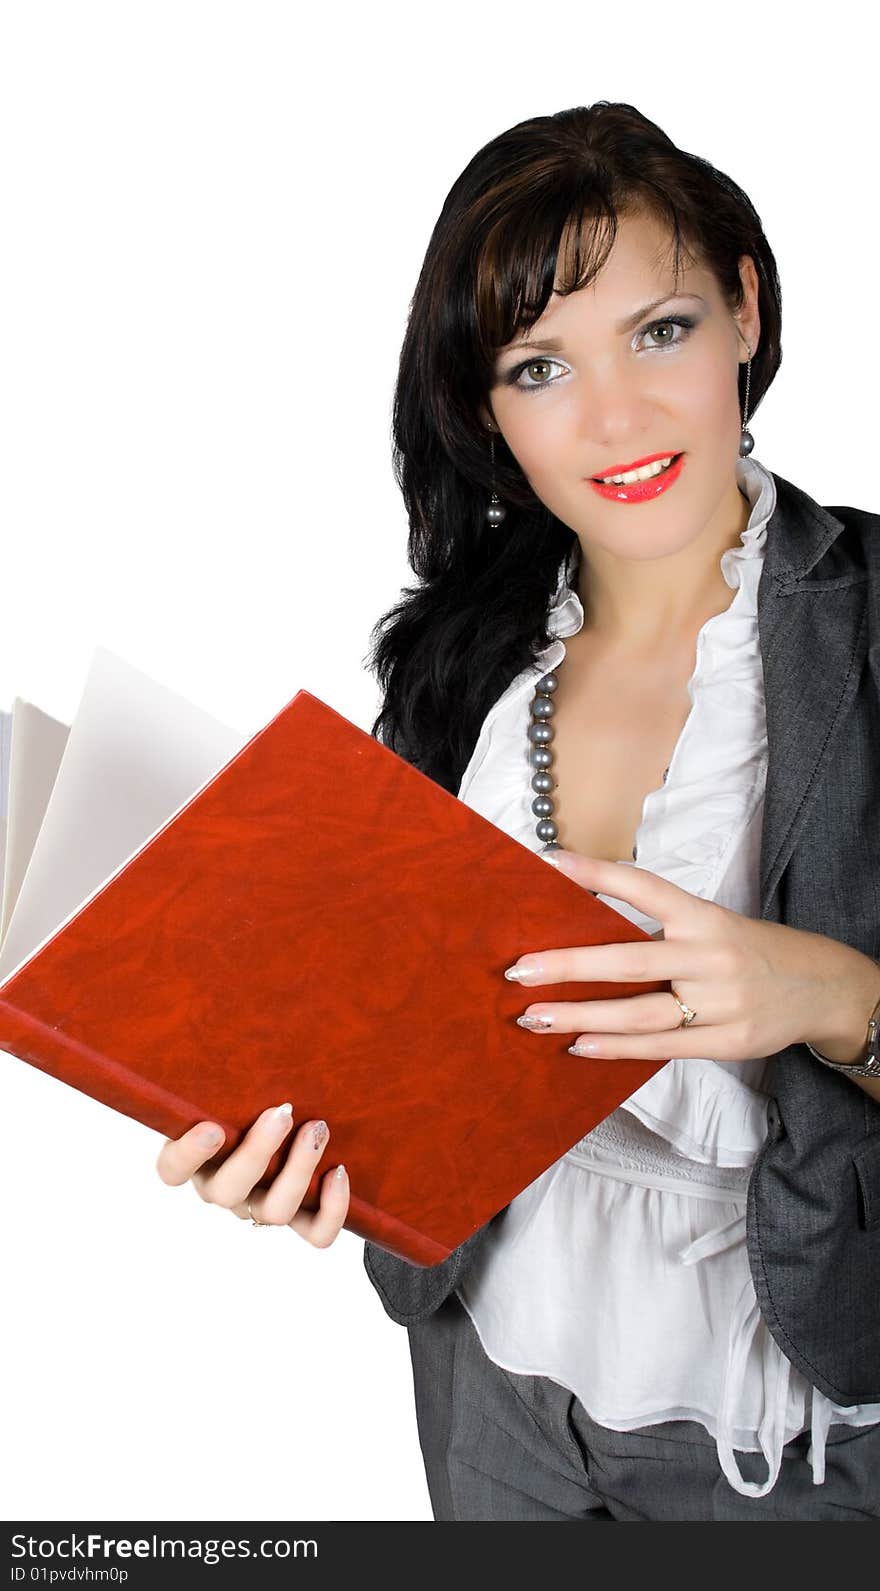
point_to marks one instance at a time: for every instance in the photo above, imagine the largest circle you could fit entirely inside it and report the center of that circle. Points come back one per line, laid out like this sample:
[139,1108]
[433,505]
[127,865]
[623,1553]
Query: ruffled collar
[566,614]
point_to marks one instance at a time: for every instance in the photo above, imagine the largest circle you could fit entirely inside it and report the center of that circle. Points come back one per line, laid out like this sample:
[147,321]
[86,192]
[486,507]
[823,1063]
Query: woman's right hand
[231,1185]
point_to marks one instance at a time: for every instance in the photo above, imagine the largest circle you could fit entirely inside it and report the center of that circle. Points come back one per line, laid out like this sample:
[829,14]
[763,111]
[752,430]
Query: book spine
[363,1219]
[69,1061]
[385,1230]
[53,1051]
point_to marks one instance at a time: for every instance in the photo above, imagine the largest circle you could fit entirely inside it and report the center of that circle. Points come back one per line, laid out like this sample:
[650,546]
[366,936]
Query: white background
[213,217]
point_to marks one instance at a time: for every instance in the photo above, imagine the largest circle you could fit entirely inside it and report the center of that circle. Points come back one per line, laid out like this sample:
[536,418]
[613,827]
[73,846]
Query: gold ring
[687,1015]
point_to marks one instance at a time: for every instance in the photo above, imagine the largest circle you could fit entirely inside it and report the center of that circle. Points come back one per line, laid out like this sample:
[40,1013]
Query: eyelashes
[686,324]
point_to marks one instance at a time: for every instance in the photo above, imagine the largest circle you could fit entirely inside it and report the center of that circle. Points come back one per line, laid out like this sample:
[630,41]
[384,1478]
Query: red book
[320,922]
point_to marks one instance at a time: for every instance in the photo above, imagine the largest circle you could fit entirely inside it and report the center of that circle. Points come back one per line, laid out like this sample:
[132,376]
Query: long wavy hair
[478,617]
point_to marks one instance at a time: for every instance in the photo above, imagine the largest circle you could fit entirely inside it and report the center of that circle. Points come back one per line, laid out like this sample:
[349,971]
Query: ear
[748,316]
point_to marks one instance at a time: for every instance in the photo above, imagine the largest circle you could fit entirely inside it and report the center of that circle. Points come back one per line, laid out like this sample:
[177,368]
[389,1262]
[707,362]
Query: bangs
[530,252]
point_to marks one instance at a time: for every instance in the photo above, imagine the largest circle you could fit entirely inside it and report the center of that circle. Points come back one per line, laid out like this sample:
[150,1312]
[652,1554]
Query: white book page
[135,755]
[36,748]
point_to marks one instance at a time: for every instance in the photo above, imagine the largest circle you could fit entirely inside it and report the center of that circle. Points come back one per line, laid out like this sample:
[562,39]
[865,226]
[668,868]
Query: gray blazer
[813,1212]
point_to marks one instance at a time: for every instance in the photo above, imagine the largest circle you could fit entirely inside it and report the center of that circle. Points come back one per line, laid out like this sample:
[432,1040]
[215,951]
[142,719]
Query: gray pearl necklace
[541,758]
[540,730]
[540,733]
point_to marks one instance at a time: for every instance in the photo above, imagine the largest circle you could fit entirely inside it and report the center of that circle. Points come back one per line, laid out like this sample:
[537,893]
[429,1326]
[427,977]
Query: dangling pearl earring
[746,441]
[495,513]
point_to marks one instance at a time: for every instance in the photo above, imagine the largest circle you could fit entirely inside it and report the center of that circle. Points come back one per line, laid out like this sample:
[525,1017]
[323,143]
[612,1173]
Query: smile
[640,485]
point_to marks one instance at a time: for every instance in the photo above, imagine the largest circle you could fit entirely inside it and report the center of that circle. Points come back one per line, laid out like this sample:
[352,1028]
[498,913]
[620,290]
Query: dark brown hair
[449,647]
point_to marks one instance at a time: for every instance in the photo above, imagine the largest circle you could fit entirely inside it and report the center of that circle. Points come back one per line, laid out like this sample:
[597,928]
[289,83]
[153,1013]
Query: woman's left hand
[755,986]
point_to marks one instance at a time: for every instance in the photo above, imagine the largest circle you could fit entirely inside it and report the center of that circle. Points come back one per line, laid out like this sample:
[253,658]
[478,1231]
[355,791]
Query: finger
[180,1157]
[639,1013]
[322,1226]
[278,1203]
[635,961]
[657,897]
[231,1183]
[693,1043]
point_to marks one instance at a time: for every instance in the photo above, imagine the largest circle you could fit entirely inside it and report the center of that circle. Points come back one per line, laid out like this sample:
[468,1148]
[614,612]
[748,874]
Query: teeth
[644,474]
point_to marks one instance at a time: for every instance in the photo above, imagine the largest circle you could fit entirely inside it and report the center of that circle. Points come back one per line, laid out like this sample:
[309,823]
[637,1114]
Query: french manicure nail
[525,972]
[282,1116]
[562,859]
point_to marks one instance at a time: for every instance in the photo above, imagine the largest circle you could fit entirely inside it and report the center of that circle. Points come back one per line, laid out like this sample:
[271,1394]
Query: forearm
[853,980]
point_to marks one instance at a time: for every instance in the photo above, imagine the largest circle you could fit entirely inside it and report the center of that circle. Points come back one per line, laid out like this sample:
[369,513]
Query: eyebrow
[555,344]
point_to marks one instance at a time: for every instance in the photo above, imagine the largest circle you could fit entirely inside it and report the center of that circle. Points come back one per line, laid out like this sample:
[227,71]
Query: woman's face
[611,392]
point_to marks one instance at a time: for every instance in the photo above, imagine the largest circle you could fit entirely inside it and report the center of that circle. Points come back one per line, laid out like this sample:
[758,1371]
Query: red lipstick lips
[641,491]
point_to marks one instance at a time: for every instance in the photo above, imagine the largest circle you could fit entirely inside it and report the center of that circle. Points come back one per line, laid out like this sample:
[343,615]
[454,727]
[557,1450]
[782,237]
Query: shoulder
[860,525]
[855,554]
[825,540]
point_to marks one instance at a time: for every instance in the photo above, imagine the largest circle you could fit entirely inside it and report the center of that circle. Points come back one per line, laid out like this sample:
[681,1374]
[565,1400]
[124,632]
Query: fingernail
[584,1047]
[280,1118]
[535,1024]
[525,972]
[211,1135]
[320,1134]
[340,1173]
[561,859]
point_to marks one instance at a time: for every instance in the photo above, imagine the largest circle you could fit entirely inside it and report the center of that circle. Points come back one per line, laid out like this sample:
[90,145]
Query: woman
[598,306]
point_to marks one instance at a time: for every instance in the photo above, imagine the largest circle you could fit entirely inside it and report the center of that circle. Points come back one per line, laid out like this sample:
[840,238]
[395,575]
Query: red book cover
[322,923]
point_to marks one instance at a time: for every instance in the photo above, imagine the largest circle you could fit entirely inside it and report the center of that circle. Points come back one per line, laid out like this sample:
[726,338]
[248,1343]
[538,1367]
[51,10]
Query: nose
[613,417]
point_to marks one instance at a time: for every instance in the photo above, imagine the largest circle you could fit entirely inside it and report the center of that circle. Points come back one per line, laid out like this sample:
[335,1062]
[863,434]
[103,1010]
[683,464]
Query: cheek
[543,437]
[537,437]
[708,396]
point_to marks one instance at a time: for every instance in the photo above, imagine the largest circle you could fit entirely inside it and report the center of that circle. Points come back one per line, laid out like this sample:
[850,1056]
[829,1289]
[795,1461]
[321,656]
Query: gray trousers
[503,1446]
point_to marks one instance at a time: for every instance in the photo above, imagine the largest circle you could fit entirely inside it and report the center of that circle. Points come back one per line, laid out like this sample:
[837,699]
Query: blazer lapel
[813,639]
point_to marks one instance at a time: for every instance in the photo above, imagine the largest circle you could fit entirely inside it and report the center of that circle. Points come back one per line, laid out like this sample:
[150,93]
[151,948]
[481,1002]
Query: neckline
[727,615]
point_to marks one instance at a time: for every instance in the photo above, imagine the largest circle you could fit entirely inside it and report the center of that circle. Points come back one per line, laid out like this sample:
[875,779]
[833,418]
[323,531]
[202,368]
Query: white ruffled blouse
[622,1273]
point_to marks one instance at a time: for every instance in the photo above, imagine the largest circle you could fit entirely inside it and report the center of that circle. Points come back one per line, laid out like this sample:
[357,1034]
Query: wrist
[850,1001]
